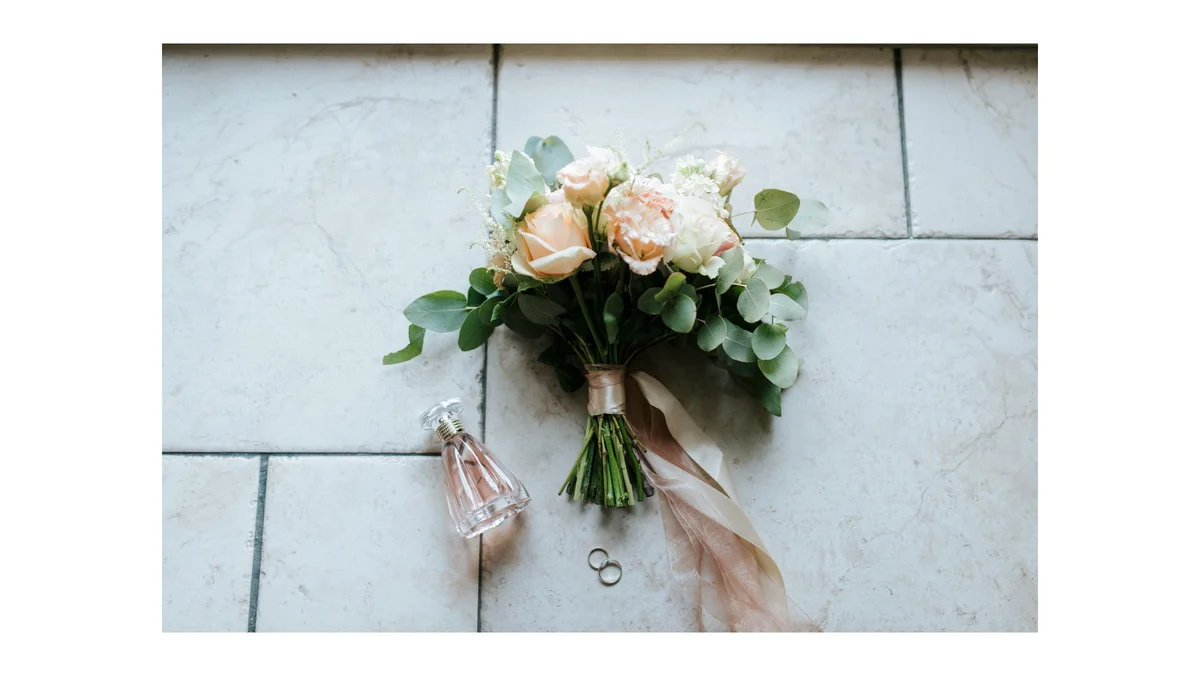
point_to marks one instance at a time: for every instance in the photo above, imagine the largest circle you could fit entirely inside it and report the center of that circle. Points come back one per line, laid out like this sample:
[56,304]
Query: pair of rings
[598,565]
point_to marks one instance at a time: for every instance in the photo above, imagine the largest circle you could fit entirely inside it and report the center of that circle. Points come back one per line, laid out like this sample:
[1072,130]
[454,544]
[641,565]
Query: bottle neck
[449,428]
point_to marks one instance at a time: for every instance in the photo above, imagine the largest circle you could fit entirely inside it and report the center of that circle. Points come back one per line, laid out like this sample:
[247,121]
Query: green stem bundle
[607,471]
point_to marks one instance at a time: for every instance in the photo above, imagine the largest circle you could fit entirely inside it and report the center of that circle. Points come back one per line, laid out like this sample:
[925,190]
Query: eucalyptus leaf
[768,340]
[768,394]
[549,155]
[798,293]
[783,307]
[670,287]
[738,344]
[440,311]
[531,144]
[734,262]
[474,298]
[481,280]
[539,310]
[782,370]
[473,332]
[690,291]
[520,324]
[570,378]
[416,342]
[711,333]
[489,312]
[679,314]
[613,307]
[647,302]
[754,301]
[772,276]
[500,200]
[522,182]
[774,209]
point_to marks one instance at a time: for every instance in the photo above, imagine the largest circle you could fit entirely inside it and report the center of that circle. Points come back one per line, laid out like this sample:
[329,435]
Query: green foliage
[648,303]
[738,344]
[515,320]
[679,314]
[473,332]
[812,215]
[416,342]
[774,209]
[490,312]
[481,281]
[671,287]
[771,276]
[539,310]
[549,155]
[711,333]
[768,340]
[754,301]
[523,181]
[783,307]
[613,307]
[734,262]
[782,370]
[440,311]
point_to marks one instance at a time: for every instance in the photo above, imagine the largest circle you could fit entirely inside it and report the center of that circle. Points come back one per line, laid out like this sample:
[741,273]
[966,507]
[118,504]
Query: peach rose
[552,241]
[585,180]
[641,222]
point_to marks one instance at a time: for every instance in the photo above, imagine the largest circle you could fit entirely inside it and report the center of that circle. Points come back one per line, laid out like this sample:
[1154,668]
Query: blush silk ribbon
[712,544]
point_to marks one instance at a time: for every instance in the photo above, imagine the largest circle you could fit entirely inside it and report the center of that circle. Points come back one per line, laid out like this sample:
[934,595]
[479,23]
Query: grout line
[903,141]
[483,376]
[944,238]
[256,564]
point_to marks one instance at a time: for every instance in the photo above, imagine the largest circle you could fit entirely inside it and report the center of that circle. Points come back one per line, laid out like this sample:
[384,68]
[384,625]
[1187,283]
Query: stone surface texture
[209,506]
[308,196]
[310,193]
[971,125]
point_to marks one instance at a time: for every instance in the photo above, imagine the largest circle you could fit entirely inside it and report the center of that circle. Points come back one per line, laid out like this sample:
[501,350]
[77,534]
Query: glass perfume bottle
[480,491]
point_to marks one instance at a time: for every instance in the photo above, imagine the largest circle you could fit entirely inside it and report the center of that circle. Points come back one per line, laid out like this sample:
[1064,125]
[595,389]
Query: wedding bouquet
[607,261]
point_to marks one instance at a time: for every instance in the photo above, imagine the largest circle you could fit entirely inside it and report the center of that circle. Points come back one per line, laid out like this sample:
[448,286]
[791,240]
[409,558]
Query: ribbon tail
[711,542]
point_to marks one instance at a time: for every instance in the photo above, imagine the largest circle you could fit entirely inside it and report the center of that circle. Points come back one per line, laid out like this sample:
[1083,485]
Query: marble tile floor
[310,192]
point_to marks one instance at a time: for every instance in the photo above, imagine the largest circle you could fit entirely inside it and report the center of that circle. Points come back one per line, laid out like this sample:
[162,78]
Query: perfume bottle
[480,491]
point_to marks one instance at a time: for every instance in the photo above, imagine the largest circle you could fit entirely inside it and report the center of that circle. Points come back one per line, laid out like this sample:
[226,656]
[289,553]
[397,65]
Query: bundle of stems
[607,471]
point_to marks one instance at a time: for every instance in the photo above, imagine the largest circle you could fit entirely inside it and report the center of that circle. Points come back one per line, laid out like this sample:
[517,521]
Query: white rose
[702,238]
[727,172]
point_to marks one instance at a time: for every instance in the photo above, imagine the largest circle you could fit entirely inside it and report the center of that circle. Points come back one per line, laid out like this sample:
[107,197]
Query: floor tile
[308,195]
[971,125]
[898,492]
[363,544]
[819,122]
[209,508]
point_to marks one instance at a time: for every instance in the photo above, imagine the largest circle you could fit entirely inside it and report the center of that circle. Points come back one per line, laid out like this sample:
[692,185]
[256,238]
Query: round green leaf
[679,314]
[613,307]
[440,311]
[738,344]
[782,370]
[648,304]
[481,281]
[522,182]
[771,275]
[783,307]
[754,301]
[549,155]
[734,261]
[670,287]
[711,333]
[774,209]
[690,291]
[768,340]
[798,293]
[416,341]
[539,310]
[473,332]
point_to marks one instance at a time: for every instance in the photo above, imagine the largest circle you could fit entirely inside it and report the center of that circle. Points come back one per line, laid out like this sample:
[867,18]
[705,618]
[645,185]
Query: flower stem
[587,315]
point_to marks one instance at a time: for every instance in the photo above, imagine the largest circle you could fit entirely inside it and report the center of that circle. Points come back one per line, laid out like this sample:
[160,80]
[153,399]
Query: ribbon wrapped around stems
[712,544]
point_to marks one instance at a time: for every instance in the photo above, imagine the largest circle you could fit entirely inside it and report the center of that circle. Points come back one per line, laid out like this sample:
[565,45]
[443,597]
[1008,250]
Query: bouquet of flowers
[609,261]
